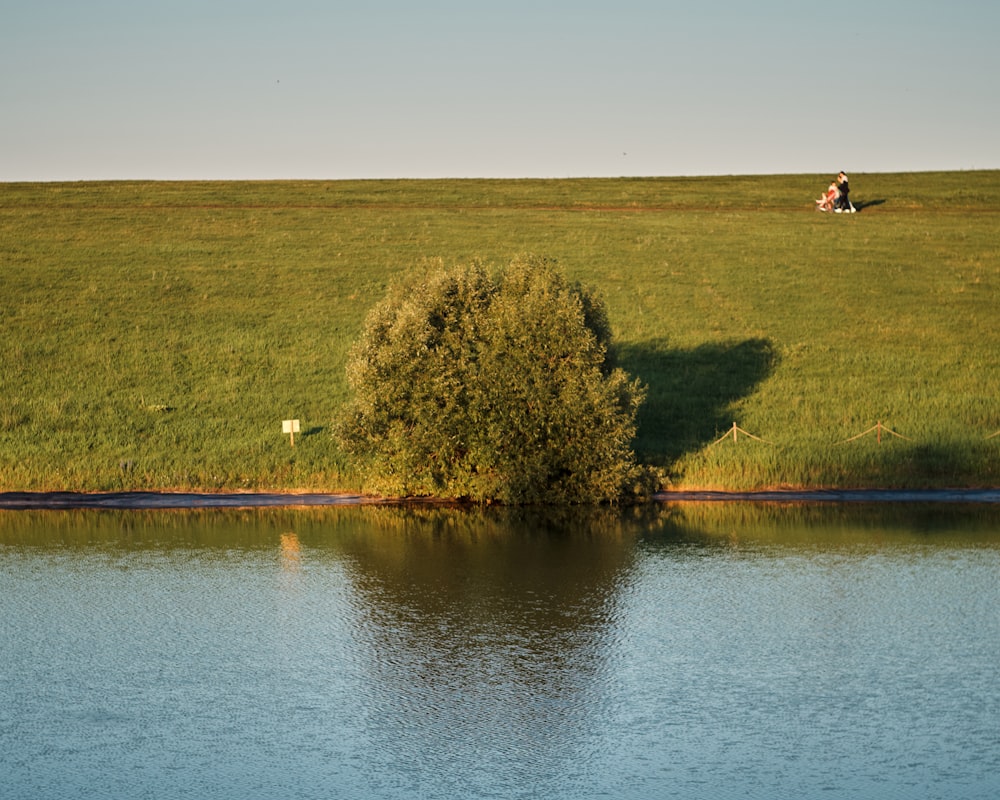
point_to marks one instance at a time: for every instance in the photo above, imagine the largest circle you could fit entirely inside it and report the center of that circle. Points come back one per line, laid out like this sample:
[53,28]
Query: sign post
[291,427]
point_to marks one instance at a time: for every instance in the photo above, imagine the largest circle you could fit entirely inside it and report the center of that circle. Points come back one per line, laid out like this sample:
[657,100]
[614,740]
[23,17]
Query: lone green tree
[491,386]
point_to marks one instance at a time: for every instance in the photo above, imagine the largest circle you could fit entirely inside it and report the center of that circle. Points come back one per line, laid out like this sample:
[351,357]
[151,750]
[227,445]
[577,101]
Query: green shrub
[491,386]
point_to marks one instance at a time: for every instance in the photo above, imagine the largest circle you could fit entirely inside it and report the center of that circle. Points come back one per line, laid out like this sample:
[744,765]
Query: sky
[325,89]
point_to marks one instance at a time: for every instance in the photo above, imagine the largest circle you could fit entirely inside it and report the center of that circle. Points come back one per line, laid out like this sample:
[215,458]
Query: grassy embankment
[155,335]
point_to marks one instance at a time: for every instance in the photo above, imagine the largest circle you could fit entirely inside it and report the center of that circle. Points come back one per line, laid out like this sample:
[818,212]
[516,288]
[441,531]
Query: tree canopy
[491,385]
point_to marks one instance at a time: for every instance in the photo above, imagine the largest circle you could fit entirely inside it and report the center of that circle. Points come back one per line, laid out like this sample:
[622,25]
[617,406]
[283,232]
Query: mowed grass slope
[155,335]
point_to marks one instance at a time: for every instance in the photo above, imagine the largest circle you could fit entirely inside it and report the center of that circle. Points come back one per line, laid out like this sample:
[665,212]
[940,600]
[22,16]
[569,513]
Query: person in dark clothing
[843,203]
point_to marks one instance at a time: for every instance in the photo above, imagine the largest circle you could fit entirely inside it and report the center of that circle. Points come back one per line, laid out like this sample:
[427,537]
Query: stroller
[829,199]
[835,198]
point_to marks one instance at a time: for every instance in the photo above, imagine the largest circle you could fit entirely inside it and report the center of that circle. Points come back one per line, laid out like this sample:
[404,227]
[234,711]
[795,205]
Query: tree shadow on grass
[691,392]
[920,465]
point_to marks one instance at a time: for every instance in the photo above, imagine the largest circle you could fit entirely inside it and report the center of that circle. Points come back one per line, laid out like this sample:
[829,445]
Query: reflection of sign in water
[291,427]
[291,555]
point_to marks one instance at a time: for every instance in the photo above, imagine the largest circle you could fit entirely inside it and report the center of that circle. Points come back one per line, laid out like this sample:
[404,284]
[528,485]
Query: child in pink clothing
[829,198]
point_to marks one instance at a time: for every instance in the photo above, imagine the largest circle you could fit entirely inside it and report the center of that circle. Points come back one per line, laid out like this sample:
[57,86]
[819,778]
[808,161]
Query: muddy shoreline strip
[840,496]
[167,500]
[191,500]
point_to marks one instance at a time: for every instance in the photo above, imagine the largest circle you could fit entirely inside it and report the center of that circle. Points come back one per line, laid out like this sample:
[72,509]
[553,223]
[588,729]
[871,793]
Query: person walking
[843,202]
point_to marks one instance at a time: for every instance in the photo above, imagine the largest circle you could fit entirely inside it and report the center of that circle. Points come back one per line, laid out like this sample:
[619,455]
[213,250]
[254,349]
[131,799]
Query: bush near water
[491,386]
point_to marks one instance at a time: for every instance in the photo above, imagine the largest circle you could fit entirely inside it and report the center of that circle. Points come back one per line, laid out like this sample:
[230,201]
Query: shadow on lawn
[895,464]
[863,204]
[691,392]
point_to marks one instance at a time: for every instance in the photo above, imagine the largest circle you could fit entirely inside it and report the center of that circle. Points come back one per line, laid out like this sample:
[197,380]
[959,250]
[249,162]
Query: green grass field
[155,335]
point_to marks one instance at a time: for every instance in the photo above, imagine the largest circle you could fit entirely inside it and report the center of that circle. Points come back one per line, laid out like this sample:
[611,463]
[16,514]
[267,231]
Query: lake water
[690,651]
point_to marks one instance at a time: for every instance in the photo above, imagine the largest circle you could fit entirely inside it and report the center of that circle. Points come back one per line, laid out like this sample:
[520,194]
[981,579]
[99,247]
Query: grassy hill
[155,335]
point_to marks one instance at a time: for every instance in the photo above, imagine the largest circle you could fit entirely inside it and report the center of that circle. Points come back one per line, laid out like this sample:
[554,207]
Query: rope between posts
[878,428]
[737,429]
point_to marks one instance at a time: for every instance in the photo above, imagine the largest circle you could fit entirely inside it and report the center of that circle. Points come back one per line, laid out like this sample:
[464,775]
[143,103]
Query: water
[698,651]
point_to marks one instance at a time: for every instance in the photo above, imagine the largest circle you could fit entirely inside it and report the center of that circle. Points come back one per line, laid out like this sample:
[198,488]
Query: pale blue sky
[233,89]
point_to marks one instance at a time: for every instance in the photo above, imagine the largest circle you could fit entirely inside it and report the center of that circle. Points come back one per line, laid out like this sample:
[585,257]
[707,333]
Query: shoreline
[16,501]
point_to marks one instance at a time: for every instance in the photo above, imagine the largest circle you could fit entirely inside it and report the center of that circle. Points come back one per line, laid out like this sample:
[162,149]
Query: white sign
[291,427]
